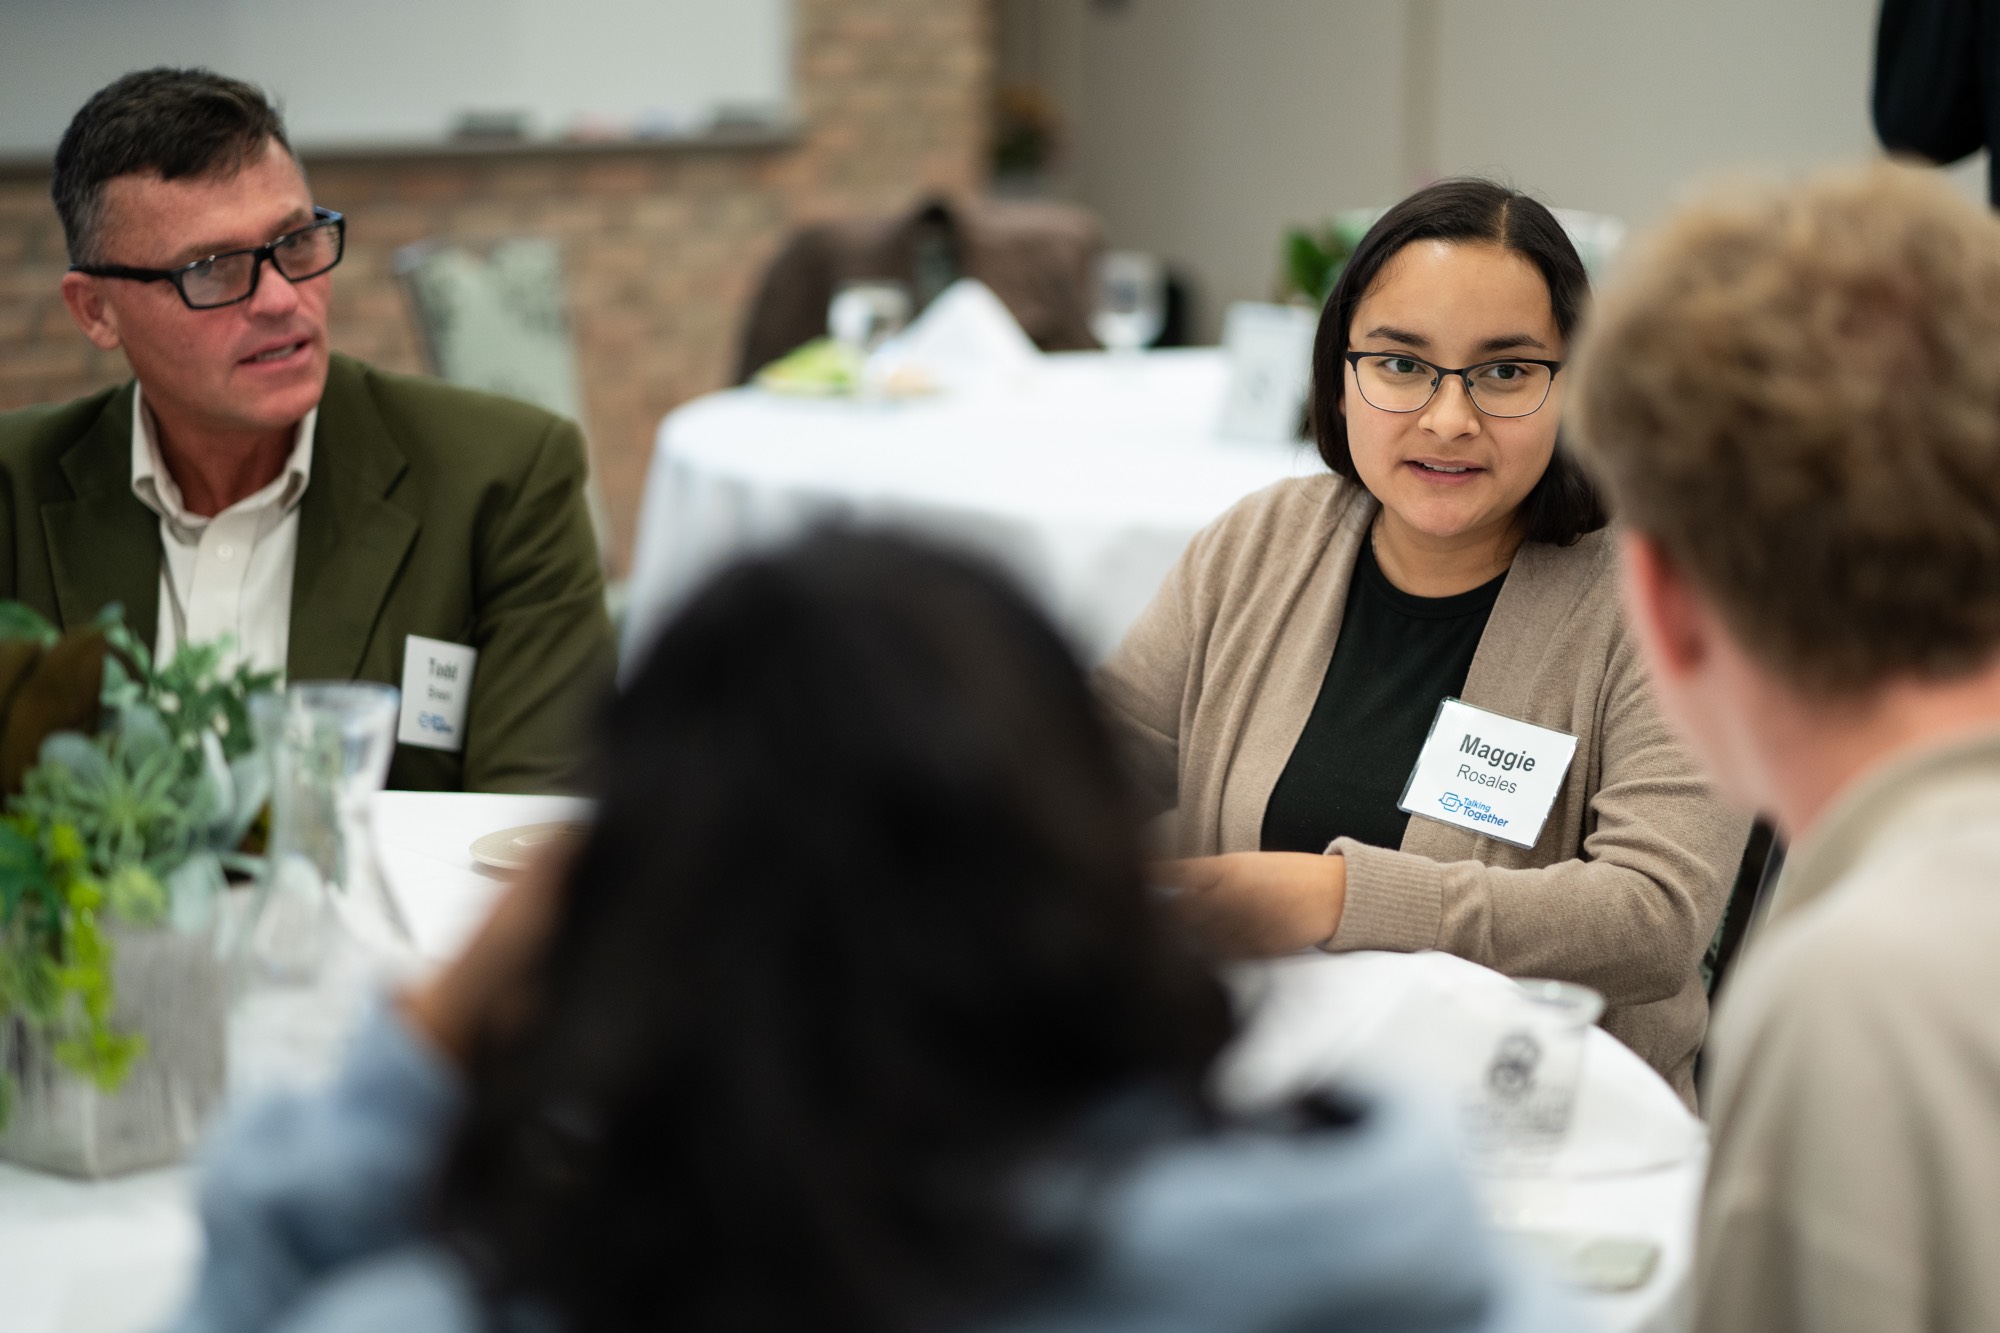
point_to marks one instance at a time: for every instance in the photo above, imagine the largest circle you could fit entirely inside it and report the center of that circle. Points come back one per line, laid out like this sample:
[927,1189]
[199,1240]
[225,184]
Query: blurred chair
[1035,256]
[497,322]
[1177,329]
[1763,858]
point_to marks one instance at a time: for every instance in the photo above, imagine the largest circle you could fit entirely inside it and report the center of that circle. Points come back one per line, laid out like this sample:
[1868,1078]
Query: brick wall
[662,248]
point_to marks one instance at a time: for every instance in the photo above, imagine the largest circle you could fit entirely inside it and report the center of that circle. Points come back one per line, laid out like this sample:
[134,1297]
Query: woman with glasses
[1284,685]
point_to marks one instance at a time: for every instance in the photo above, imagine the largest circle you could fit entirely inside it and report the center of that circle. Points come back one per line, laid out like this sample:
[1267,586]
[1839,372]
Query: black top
[1397,658]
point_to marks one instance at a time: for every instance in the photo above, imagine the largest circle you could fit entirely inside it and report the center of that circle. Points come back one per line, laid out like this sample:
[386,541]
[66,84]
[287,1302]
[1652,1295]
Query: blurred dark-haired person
[846,1076]
[1794,398]
[333,521]
[1285,691]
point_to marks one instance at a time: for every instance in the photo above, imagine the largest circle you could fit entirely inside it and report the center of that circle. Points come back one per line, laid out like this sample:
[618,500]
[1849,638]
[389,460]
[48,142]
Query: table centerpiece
[128,791]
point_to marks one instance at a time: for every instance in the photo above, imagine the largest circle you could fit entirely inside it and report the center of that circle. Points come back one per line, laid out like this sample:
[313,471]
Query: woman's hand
[1256,904]
[487,984]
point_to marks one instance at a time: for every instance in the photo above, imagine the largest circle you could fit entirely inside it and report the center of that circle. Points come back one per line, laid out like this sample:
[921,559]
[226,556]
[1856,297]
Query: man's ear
[1670,618]
[92,313]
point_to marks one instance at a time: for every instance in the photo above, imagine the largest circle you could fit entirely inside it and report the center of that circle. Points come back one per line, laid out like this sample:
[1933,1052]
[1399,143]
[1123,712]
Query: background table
[115,1256]
[1085,477]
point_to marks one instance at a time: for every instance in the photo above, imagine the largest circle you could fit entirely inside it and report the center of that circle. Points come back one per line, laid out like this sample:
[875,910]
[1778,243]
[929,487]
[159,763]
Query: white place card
[437,682]
[1488,773]
[1270,370]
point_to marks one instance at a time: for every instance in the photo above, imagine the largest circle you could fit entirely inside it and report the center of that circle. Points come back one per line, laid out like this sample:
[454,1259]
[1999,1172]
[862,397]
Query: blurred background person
[1278,691]
[1794,397]
[1937,80]
[853,1011]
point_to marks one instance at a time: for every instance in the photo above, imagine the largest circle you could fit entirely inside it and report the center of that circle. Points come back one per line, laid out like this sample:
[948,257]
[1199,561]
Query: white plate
[513,848]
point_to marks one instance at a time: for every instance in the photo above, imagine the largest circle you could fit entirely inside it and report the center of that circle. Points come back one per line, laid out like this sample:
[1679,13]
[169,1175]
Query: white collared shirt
[230,574]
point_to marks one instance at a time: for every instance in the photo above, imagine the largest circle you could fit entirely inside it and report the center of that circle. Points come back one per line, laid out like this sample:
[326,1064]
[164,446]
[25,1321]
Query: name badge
[1487,773]
[437,680]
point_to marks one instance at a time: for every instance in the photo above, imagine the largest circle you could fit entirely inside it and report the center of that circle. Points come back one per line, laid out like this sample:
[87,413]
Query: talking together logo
[1472,808]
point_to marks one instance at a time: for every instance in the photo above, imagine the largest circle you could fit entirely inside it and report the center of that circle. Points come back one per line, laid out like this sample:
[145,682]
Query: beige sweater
[1855,1180]
[1624,888]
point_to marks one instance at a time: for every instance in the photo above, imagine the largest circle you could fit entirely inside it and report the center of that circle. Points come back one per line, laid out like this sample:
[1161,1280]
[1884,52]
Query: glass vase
[325,935]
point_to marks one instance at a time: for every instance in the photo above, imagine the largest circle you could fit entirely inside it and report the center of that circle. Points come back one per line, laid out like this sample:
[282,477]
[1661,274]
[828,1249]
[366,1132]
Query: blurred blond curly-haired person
[1793,398]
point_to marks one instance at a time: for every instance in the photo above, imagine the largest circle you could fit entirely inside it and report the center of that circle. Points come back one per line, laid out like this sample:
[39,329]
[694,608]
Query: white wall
[1618,105]
[1202,128]
[1198,130]
[396,70]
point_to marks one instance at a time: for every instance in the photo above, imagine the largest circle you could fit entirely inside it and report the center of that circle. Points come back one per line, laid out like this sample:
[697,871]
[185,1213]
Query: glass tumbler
[1131,301]
[864,315]
[1518,1110]
[325,933]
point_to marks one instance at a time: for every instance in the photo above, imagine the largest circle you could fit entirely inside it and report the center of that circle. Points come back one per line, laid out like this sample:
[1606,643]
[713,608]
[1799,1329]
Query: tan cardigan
[1623,890]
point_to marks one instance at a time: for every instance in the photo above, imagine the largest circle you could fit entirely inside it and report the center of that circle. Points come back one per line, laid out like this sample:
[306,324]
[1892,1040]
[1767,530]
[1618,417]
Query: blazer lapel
[353,539]
[104,545]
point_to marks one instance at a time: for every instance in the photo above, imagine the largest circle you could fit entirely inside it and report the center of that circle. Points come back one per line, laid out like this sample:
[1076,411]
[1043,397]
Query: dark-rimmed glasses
[231,276]
[1514,386]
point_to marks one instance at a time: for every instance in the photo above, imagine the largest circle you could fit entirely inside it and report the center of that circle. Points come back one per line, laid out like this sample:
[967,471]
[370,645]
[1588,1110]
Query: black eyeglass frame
[1464,373]
[259,254]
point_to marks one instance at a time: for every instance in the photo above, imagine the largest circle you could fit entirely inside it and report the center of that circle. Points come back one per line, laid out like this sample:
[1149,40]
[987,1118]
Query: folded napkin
[1428,1023]
[965,339]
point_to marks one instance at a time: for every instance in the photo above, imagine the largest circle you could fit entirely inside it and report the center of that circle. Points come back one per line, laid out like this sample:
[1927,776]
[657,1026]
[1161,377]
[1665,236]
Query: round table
[1084,475]
[1630,1165]
[116,1256]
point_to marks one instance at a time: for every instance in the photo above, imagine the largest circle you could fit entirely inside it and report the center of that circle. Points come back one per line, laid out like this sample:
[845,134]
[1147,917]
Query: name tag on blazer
[437,681]
[1488,773]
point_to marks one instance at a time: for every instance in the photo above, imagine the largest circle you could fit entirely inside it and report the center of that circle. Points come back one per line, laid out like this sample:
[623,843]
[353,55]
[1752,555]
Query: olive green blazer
[432,510]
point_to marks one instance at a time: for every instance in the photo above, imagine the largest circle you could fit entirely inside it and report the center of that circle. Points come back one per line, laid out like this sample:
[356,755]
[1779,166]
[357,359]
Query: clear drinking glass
[1131,300]
[325,933]
[1518,1111]
[863,315]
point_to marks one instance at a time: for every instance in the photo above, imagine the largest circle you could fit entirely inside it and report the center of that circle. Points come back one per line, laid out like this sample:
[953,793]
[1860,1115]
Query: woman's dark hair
[1564,504]
[859,937]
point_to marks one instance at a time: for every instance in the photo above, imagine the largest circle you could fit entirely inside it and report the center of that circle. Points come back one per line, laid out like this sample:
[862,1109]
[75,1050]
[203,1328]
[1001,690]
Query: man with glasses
[333,521]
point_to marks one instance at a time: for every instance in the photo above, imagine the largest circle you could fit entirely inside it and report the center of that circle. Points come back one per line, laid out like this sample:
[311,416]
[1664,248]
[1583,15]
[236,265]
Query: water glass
[325,933]
[1131,300]
[863,315]
[1517,1112]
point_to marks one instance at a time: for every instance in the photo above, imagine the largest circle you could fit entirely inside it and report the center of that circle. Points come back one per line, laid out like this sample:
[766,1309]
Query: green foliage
[21,622]
[1312,263]
[192,693]
[1312,257]
[170,774]
[128,792]
[55,964]
[105,826]
[135,894]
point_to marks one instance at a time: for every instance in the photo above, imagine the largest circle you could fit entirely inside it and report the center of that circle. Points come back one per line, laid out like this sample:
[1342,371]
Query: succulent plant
[129,790]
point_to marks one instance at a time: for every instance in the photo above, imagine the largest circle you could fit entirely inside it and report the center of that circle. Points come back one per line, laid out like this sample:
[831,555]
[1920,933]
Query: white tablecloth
[115,1256]
[1085,476]
[1631,1164]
